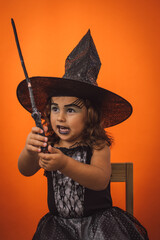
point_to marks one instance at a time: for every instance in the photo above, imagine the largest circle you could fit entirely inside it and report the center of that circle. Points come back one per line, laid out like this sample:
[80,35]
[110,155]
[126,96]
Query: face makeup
[68,117]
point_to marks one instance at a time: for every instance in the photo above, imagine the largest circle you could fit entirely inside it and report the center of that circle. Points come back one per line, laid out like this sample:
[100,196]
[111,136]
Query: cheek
[80,123]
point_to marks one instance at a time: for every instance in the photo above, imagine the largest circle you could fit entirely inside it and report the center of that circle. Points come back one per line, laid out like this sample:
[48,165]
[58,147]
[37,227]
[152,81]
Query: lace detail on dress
[68,194]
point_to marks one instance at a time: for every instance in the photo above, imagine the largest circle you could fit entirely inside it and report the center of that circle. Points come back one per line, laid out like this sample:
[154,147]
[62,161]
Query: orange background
[126,34]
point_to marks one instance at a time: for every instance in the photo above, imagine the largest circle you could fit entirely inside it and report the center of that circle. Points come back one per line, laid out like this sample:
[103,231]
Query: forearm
[28,163]
[89,176]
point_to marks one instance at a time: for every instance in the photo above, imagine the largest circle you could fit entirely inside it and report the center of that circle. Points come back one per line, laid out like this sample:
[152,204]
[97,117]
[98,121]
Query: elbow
[25,171]
[103,182]
[104,186]
[101,185]
[26,174]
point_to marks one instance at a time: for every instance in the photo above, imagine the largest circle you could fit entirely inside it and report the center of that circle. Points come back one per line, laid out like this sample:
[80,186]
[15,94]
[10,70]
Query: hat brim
[115,109]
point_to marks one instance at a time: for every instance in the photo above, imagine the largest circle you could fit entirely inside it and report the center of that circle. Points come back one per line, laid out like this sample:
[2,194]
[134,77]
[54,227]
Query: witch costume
[76,212]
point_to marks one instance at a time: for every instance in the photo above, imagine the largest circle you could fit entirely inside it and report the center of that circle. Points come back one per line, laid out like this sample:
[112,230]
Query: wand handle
[35,113]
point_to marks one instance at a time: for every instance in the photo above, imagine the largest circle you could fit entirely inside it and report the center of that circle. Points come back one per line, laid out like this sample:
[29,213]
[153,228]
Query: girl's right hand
[35,141]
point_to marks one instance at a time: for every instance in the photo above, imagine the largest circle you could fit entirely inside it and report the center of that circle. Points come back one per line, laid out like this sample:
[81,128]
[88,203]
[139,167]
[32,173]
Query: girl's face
[68,118]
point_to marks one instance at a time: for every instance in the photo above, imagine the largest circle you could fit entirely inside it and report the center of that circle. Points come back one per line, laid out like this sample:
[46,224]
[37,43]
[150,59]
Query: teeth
[63,130]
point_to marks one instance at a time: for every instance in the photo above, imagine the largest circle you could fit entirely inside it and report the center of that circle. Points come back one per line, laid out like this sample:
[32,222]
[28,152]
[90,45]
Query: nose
[61,117]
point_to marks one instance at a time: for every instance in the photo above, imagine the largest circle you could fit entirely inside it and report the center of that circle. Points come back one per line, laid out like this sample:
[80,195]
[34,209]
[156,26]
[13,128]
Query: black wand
[35,113]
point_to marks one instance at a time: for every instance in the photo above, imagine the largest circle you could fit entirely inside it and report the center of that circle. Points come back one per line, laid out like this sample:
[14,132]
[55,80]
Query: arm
[95,176]
[28,162]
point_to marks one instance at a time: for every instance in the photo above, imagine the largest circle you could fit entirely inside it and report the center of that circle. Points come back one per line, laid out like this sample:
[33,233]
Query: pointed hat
[80,80]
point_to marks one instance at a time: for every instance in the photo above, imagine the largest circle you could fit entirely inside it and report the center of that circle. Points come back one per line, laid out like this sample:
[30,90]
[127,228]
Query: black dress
[78,213]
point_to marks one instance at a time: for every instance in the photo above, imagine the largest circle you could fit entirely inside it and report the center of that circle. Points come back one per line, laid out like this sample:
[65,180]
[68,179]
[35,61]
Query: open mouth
[63,130]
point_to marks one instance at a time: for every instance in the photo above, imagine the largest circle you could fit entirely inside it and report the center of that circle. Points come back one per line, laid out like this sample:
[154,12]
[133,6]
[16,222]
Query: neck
[67,144]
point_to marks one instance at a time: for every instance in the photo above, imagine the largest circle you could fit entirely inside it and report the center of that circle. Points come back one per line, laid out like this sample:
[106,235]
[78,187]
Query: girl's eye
[71,110]
[54,109]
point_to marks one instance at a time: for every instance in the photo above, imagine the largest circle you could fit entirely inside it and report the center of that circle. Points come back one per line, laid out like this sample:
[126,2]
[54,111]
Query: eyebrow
[72,105]
[52,103]
[67,105]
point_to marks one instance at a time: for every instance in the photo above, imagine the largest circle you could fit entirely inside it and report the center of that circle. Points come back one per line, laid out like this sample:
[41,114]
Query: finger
[45,156]
[33,148]
[38,137]
[42,165]
[53,149]
[43,161]
[37,143]
[37,130]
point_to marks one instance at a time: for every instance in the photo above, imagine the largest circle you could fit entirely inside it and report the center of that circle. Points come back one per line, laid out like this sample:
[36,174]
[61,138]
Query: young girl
[77,163]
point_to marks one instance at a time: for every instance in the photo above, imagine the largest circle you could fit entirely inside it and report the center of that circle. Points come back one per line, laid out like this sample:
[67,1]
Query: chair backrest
[123,172]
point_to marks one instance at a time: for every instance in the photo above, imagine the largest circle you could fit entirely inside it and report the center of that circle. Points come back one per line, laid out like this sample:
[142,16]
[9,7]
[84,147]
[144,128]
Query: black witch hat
[80,80]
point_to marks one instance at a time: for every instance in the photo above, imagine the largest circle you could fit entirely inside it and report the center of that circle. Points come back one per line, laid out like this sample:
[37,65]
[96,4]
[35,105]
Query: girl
[77,164]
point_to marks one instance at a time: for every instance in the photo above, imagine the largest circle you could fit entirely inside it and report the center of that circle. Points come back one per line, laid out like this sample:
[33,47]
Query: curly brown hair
[93,134]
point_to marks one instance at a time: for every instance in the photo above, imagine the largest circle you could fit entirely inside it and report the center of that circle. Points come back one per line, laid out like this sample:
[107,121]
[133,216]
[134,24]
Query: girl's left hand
[52,161]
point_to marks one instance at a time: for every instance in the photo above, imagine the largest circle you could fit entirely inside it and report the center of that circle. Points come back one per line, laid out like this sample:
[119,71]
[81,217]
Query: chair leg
[129,187]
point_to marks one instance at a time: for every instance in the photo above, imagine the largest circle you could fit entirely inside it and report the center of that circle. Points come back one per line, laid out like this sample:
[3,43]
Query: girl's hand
[52,161]
[35,141]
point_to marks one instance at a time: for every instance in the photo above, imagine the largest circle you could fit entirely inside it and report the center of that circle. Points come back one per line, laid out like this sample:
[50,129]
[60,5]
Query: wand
[35,113]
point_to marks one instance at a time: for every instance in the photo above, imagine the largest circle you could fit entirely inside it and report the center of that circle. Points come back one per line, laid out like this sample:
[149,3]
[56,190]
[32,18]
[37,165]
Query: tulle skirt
[110,224]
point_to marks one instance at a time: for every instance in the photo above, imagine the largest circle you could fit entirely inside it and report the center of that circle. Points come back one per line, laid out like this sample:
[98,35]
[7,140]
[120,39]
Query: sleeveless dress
[78,213]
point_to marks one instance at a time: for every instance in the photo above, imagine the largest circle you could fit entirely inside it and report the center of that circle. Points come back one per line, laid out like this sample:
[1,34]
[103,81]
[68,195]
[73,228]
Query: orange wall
[127,37]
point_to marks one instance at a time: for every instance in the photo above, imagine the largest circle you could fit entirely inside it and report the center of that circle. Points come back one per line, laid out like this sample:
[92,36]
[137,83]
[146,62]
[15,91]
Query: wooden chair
[123,172]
